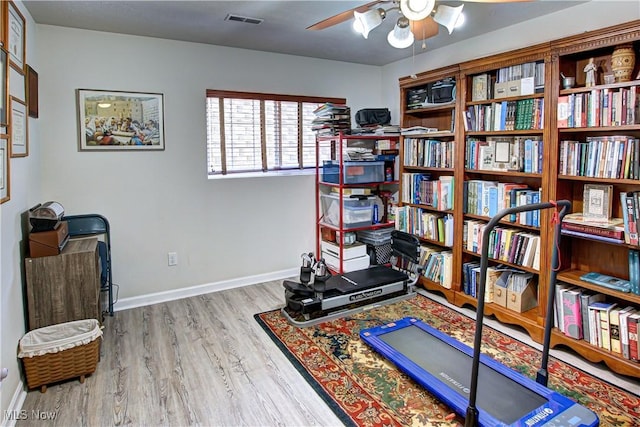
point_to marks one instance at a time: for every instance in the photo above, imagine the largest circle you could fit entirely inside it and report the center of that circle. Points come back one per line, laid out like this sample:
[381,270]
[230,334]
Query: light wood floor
[198,361]
[205,361]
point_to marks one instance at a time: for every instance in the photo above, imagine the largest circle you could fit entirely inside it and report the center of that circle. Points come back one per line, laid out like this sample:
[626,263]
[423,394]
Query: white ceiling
[283,29]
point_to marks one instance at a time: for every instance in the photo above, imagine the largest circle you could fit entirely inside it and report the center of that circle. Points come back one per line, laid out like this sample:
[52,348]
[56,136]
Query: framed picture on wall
[32,92]
[3,24]
[4,78]
[115,120]
[18,127]
[4,169]
[15,37]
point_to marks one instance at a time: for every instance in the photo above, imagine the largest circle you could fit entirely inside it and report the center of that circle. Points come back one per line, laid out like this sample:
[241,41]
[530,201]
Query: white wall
[162,201]
[583,17]
[25,189]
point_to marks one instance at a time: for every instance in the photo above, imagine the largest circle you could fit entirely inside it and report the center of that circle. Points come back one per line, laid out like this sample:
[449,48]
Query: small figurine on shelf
[590,70]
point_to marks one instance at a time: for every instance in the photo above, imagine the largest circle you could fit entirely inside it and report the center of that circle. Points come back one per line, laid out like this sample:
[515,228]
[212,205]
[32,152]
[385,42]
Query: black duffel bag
[373,116]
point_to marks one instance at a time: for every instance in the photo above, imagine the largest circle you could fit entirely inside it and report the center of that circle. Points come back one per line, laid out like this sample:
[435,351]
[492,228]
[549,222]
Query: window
[255,132]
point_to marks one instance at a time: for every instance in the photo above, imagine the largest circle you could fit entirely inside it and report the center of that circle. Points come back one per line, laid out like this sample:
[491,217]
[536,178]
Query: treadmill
[461,377]
[321,296]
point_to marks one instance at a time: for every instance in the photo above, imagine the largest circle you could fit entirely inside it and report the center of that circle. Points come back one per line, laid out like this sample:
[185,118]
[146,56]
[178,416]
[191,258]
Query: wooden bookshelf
[577,255]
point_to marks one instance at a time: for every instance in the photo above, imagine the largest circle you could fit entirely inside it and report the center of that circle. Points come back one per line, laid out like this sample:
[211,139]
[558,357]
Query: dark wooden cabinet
[64,287]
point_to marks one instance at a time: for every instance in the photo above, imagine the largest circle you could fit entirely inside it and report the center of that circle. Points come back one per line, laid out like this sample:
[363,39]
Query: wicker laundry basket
[60,352]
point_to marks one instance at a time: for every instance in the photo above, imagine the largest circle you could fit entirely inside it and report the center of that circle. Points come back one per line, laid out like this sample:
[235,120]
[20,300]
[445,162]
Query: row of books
[505,244]
[425,224]
[430,153]
[600,107]
[613,156]
[520,153]
[582,314]
[419,189]
[520,71]
[521,114]
[487,198]
[437,265]
[630,202]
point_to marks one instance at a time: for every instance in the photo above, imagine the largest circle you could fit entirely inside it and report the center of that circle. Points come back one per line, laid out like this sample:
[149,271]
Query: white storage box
[356,212]
[354,264]
[348,252]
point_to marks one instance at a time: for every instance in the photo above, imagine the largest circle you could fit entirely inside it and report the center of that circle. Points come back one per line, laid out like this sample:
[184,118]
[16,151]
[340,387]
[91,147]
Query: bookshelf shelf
[493,261]
[604,129]
[504,173]
[602,180]
[431,109]
[573,277]
[505,132]
[527,320]
[595,354]
[504,222]
[476,108]
[508,98]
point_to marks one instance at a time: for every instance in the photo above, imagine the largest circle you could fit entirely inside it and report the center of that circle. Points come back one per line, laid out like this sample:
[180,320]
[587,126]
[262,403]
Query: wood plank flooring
[202,360]
[205,361]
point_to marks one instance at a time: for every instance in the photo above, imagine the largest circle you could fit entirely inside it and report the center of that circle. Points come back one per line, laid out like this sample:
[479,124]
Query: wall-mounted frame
[3,24]
[16,37]
[18,127]
[5,176]
[32,92]
[4,88]
[116,120]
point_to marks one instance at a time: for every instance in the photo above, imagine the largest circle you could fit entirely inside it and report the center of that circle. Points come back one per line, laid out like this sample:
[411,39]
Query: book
[591,236]
[572,315]
[614,330]
[597,202]
[586,299]
[624,330]
[599,313]
[632,327]
[607,281]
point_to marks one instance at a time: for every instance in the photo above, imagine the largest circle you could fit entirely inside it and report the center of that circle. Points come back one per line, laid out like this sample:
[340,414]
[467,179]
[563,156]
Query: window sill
[289,172]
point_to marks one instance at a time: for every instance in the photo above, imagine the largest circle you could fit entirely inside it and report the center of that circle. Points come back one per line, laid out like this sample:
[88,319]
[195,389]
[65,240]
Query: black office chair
[96,225]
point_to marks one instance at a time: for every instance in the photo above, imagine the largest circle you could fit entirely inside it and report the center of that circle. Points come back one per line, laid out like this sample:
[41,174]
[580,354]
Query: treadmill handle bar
[471,418]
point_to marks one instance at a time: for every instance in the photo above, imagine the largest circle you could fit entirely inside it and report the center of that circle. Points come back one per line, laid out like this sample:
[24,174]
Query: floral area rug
[364,389]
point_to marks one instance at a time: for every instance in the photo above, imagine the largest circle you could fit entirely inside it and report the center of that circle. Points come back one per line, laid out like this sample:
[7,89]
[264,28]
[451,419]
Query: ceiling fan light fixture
[401,36]
[416,10]
[367,21]
[448,16]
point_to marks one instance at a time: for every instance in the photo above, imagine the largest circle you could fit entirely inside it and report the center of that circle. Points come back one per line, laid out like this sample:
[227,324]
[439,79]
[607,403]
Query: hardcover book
[607,281]
[572,319]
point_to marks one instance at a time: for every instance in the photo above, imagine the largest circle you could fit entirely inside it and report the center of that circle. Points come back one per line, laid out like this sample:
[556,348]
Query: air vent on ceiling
[246,19]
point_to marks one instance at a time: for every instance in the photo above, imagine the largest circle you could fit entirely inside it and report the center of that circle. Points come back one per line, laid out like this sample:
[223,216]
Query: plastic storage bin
[356,212]
[60,352]
[353,172]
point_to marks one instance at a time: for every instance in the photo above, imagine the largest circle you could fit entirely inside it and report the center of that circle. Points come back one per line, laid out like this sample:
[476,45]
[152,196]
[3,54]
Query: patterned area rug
[364,389]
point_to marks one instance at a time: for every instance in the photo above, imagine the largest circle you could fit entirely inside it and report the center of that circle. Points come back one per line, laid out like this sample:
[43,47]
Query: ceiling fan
[418,19]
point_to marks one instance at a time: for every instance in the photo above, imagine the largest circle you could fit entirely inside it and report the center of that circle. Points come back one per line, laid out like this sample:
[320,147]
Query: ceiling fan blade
[424,29]
[342,17]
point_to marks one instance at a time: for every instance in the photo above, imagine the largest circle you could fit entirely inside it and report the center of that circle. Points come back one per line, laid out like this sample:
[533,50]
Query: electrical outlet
[172,258]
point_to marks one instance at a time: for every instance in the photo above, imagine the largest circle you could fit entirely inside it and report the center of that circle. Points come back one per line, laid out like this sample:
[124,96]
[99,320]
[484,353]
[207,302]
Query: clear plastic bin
[357,212]
[353,172]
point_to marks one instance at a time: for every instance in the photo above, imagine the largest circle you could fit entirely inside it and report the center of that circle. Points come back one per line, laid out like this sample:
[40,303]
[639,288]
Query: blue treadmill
[461,377]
